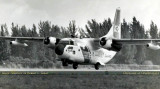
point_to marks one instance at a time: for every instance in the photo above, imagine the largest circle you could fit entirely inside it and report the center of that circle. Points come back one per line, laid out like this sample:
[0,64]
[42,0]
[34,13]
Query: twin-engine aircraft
[88,51]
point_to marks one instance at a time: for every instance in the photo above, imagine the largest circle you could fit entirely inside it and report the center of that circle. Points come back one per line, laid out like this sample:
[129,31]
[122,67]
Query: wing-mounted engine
[51,42]
[106,43]
[110,44]
[153,46]
[17,43]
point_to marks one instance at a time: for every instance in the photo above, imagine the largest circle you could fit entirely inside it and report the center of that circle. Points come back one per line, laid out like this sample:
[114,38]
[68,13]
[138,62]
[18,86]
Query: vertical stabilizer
[115,31]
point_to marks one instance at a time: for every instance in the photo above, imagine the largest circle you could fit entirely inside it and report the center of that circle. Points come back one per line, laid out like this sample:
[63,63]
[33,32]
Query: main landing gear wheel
[97,66]
[64,63]
[75,65]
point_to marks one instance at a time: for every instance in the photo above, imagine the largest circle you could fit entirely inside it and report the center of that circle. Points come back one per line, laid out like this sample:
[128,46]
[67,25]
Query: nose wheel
[97,65]
[75,65]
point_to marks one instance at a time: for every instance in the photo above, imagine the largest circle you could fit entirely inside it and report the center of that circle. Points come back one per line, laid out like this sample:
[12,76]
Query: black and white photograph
[79,44]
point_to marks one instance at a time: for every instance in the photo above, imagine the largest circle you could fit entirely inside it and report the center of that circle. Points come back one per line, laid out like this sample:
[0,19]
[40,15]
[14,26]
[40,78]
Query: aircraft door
[86,53]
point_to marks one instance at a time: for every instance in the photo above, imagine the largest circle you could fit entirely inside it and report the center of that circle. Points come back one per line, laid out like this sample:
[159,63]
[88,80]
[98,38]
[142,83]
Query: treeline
[38,52]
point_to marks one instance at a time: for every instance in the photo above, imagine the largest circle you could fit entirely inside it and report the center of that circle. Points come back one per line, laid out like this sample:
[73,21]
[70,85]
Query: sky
[61,12]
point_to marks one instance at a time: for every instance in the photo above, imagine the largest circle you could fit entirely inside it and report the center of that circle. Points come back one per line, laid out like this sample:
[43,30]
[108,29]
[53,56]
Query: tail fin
[115,31]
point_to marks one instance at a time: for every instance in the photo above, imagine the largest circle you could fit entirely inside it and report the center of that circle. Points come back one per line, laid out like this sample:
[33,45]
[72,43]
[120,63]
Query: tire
[64,63]
[75,65]
[97,65]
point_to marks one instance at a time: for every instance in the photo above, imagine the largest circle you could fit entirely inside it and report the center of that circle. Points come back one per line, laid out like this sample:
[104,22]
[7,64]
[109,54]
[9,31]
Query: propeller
[103,41]
[46,40]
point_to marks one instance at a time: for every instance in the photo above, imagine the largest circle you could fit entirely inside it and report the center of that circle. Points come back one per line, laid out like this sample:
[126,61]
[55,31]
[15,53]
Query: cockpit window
[70,47]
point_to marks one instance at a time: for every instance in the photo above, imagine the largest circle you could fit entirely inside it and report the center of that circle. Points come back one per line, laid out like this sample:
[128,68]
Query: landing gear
[75,65]
[64,63]
[97,66]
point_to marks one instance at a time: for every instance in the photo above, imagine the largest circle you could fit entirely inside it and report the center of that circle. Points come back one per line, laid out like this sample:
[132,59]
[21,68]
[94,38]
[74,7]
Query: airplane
[88,51]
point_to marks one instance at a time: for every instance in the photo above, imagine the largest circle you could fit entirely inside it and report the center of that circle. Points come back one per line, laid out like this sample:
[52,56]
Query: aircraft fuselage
[85,52]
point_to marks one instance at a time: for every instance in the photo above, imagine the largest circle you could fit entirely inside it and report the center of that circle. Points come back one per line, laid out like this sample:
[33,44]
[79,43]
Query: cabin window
[74,52]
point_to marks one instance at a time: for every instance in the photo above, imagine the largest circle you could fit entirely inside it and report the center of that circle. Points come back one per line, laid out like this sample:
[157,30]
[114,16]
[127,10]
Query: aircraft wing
[35,39]
[135,41]
[23,38]
[120,41]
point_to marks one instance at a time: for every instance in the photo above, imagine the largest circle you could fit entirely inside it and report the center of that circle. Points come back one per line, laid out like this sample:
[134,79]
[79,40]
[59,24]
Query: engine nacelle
[51,42]
[106,43]
[16,43]
[153,46]
[110,44]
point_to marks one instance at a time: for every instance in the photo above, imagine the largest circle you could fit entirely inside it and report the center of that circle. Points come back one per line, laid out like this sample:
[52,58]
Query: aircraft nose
[59,49]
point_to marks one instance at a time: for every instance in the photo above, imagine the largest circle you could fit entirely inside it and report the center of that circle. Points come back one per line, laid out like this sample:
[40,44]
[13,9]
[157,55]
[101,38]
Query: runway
[52,69]
[6,71]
